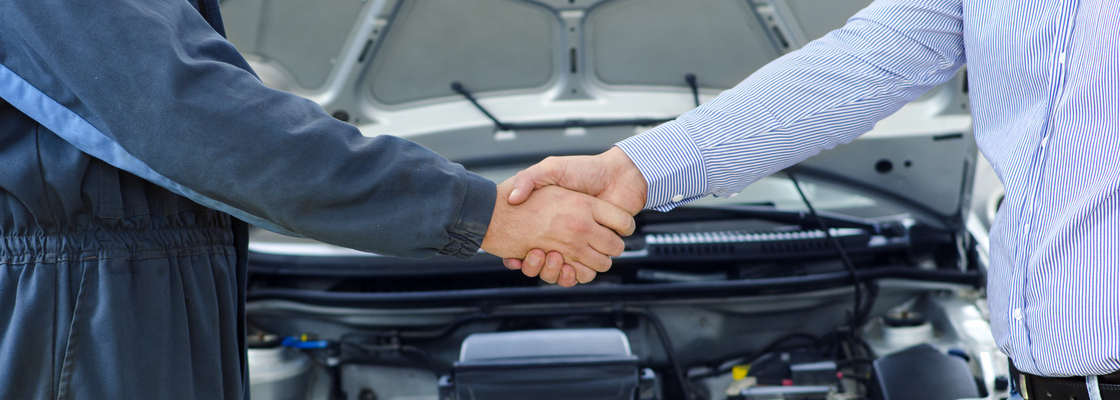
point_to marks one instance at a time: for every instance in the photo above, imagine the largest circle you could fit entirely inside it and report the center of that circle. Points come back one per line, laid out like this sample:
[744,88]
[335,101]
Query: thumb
[528,180]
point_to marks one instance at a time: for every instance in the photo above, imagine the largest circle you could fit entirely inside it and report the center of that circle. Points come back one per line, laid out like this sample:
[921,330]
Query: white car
[750,297]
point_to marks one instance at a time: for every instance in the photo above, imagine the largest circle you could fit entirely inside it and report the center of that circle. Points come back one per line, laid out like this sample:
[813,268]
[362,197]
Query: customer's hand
[610,176]
[584,229]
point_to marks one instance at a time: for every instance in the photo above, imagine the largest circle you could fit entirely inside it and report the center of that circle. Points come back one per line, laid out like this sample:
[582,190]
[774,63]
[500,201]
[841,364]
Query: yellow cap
[740,371]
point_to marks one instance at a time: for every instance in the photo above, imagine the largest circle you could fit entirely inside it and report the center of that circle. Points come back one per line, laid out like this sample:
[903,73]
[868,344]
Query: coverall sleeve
[148,86]
[823,95]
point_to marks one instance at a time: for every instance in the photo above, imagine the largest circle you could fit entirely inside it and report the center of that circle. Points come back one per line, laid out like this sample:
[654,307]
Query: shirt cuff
[671,163]
[474,218]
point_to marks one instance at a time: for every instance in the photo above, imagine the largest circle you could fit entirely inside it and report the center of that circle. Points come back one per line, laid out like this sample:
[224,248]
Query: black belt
[1034,387]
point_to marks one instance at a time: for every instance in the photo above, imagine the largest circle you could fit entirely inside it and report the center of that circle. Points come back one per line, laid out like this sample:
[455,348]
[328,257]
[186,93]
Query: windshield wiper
[572,123]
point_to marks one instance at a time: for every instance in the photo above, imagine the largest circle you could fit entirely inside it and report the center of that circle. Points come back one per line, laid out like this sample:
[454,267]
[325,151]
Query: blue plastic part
[959,353]
[296,343]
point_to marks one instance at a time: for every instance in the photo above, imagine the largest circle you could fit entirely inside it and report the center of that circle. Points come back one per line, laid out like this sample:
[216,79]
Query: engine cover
[564,364]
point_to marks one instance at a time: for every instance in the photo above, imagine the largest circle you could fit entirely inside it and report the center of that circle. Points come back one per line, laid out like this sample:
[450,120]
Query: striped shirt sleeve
[823,95]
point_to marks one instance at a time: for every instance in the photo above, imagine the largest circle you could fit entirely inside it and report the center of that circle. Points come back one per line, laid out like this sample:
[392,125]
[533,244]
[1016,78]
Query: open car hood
[701,290]
[562,77]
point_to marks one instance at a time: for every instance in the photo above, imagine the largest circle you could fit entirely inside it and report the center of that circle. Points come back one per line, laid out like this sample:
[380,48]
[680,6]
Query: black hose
[855,317]
[670,353]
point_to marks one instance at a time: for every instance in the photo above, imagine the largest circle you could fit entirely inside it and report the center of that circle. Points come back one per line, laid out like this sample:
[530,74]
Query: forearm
[153,90]
[816,98]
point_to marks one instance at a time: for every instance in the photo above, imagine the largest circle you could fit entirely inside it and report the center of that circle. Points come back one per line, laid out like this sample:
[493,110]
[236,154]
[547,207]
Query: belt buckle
[1023,386]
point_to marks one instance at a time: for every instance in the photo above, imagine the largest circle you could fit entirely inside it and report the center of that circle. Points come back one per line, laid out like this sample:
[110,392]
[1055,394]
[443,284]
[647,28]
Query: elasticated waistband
[105,244]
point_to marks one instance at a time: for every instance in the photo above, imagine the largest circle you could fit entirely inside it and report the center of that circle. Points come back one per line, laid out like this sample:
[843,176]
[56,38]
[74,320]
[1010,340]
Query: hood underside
[575,76]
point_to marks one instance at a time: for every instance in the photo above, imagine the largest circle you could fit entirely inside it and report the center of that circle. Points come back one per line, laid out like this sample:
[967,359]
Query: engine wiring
[852,354]
[779,344]
[853,357]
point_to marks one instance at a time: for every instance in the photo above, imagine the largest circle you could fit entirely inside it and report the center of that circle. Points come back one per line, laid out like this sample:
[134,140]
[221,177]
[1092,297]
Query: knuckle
[564,225]
[575,225]
[574,251]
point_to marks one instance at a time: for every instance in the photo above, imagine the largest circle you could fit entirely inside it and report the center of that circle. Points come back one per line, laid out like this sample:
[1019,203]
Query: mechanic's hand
[551,268]
[582,228]
[610,176]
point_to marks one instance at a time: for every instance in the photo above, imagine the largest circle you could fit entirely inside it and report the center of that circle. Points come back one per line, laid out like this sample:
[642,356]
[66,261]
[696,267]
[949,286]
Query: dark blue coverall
[130,132]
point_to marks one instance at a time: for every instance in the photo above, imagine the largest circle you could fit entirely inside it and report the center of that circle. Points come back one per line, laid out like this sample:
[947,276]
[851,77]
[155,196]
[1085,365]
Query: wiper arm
[572,123]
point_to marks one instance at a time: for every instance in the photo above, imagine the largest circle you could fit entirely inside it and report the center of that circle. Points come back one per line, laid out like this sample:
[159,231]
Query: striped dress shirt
[1044,79]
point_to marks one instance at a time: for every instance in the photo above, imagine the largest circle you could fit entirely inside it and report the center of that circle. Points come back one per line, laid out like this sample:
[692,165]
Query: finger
[534,269]
[605,241]
[613,217]
[534,260]
[592,258]
[512,263]
[583,273]
[551,272]
[555,257]
[531,270]
[567,277]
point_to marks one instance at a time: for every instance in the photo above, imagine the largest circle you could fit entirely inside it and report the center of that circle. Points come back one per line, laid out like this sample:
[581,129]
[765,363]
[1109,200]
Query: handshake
[574,208]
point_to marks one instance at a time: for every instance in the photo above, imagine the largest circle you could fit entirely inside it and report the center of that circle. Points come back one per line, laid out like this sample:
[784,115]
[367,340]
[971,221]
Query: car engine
[932,342]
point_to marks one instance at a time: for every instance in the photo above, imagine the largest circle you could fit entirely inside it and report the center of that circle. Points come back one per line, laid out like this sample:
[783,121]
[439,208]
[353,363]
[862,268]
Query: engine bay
[778,346]
[748,302]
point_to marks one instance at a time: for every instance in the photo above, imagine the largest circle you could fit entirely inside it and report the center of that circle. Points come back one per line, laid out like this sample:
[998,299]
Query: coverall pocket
[155,328]
[38,308]
[65,391]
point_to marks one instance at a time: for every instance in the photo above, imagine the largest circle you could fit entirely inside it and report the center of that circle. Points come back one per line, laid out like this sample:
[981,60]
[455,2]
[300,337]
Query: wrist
[626,174]
[671,163]
[474,217]
[490,238]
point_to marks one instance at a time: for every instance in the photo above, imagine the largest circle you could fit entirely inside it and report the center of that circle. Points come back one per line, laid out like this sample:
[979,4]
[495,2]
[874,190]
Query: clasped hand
[573,208]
